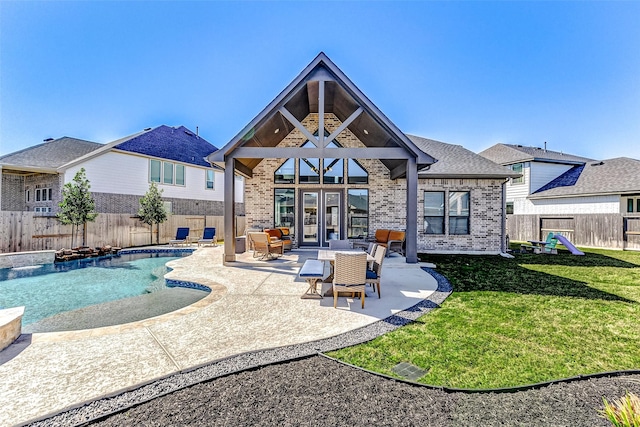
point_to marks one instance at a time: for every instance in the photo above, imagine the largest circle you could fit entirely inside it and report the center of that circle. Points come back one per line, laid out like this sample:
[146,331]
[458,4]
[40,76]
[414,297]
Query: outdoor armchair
[263,246]
[349,274]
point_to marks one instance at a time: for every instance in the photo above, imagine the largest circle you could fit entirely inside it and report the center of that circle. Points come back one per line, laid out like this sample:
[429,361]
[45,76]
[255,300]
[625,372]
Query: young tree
[77,206]
[152,209]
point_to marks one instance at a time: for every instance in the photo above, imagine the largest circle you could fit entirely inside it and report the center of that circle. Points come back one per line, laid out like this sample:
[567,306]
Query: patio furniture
[339,244]
[263,246]
[182,237]
[312,271]
[350,274]
[287,238]
[208,237]
[374,274]
[395,242]
[541,246]
[278,234]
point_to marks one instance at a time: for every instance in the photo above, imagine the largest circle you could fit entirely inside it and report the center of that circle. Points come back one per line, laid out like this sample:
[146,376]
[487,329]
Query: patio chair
[263,246]
[208,237]
[182,234]
[349,275]
[278,234]
[374,274]
[395,243]
[339,244]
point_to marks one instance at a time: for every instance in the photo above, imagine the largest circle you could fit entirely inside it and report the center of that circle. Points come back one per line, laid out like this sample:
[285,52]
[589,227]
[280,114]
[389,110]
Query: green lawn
[519,321]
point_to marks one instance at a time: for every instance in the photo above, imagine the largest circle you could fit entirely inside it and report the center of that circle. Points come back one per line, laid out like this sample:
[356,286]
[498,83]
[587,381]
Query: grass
[519,321]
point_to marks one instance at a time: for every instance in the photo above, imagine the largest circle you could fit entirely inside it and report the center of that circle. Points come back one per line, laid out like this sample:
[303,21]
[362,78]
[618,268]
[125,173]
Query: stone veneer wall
[387,198]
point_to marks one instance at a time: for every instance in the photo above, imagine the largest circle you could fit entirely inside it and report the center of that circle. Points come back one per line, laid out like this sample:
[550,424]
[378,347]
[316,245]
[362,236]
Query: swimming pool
[51,290]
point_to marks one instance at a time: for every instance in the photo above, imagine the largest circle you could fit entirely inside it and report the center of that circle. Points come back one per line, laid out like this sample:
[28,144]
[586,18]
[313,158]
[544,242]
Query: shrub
[624,412]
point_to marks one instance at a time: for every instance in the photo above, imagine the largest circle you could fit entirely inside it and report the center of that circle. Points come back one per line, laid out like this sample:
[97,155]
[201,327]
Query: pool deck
[254,305]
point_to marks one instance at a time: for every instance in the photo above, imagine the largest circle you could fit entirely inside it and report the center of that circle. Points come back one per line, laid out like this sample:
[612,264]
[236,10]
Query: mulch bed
[320,392]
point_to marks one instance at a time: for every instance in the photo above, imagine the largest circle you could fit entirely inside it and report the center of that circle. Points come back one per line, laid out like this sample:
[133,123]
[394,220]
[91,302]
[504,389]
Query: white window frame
[43,194]
[520,180]
[173,175]
[207,180]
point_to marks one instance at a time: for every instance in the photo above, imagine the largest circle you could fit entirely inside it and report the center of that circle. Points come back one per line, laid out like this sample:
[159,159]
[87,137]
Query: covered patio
[322,144]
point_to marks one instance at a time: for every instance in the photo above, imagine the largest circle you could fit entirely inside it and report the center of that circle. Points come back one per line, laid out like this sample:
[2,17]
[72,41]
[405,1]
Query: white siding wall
[569,206]
[120,173]
[519,191]
[543,173]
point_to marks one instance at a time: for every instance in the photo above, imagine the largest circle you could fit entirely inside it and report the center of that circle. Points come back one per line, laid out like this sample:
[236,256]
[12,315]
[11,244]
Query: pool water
[56,288]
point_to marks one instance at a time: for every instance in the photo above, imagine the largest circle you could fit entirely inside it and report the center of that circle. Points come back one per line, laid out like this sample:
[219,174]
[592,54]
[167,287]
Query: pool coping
[215,293]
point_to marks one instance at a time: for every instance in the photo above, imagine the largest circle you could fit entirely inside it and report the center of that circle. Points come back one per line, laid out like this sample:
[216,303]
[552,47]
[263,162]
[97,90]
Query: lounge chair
[208,237]
[182,236]
[349,275]
[339,244]
[374,274]
[263,246]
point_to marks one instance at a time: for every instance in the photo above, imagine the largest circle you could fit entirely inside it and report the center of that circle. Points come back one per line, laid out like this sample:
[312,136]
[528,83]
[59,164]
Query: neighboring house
[595,203]
[119,172]
[322,159]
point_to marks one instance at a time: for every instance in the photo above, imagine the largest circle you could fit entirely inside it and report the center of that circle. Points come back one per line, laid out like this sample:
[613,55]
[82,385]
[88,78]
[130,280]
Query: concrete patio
[254,305]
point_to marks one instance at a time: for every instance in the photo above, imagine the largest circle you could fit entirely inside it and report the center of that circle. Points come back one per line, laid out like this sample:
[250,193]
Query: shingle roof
[457,161]
[613,176]
[50,155]
[165,142]
[179,144]
[505,154]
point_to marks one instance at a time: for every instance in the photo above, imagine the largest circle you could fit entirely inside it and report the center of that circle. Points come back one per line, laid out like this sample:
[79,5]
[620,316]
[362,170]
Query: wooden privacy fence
[26,231]
[613,231]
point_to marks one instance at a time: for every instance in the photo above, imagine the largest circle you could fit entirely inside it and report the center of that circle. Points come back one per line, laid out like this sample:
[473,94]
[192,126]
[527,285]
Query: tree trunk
[84,234]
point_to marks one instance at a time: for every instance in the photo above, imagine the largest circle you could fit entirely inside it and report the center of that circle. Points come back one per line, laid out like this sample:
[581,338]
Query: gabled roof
[457,161]
[301,97]
[614,176]
[506,154]
[165,142]
[48,156]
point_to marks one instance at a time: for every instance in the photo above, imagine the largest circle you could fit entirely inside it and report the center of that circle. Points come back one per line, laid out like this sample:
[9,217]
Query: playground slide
[567,244]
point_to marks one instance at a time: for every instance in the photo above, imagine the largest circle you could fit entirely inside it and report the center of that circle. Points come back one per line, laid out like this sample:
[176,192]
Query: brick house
[322,159]
[119,172]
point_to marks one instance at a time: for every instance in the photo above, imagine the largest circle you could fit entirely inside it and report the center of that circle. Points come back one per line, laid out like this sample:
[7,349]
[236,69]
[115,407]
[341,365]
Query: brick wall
[127,203]
[12,192]
[387,198]
[485,216]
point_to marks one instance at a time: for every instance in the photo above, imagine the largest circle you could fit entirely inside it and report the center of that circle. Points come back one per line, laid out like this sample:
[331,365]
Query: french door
[321,216]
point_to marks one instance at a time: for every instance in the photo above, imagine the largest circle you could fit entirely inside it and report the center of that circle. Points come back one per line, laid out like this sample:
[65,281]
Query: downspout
[503,233]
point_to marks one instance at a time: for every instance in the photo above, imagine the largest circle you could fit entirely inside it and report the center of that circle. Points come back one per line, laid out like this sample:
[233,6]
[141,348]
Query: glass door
[310,235]
[332,229]
[321,217]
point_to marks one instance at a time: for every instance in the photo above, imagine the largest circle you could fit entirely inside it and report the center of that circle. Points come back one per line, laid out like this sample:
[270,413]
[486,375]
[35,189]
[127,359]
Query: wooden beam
[321,114]
[398,172]
[397,153]
[297,124]
[344,124]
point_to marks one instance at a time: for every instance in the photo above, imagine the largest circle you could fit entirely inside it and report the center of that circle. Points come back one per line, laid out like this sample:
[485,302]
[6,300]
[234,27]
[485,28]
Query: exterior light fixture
[277,130]
[366,132]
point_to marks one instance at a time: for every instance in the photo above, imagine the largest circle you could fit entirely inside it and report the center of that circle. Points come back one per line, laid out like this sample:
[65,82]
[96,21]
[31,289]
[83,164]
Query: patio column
[412,211]
[229,210]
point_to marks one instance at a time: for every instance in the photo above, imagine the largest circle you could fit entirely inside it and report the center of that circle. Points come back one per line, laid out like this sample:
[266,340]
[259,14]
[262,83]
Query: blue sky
[468,73]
